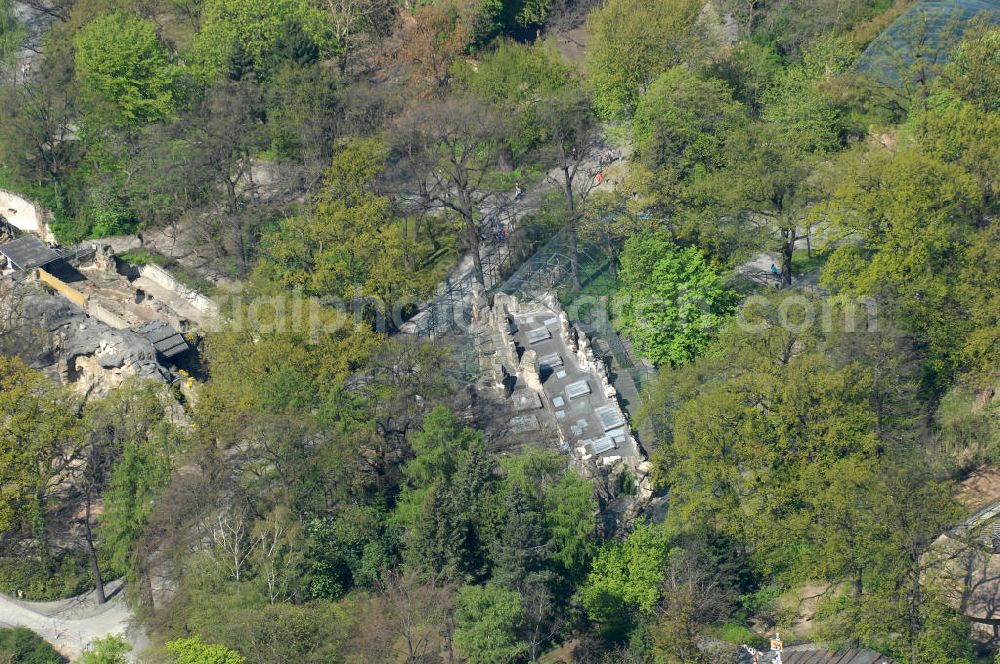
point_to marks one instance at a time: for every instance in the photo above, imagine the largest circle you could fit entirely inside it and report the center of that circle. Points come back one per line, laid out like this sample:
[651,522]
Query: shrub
[109,650]
[66,576]
[25,647]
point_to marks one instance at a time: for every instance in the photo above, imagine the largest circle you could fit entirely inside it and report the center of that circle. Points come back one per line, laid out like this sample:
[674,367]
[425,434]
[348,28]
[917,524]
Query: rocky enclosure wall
[162,278]
[25,215]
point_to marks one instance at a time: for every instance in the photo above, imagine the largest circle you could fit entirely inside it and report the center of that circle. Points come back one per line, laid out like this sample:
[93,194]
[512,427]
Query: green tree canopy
[633,42]
[268,362]
[974,71]
[915,214]
[11,33]
[437,447]
[487,619]
[671,299]
[121,64]
[109,650]
[241,35]
[798,102]
[141,472]
[36,422]
[193,651]
[787,424]
[682,121]
[626,578]
[20,644]
[571,517]
[438,450]
[350,245]
[522,80]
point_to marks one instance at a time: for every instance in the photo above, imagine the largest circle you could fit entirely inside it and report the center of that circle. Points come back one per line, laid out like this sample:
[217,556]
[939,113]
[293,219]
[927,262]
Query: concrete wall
[105,315]
[164,279]
[25,215]
[64,289]
[91,307]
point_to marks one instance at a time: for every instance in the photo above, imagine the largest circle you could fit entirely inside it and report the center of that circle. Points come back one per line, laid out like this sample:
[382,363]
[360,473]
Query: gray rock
[61,340]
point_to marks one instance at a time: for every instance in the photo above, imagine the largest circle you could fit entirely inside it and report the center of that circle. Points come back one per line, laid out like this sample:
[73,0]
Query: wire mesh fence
[921,41]
[589,302]
[528,268]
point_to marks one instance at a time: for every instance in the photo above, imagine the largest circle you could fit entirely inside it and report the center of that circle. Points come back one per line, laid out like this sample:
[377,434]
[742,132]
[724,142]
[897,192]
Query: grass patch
[185,275]
[431,264]
[738,634]
[955,404]
[617,134]
[803,263]
[968,437]
[528,175]
[597,289]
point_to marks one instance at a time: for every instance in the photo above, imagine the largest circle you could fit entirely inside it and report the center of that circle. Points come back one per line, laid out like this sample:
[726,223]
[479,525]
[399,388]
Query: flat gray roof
[165,339]
[577,389]
[551,360]
[538,334]
[28,252]
[600,445]
[611,417]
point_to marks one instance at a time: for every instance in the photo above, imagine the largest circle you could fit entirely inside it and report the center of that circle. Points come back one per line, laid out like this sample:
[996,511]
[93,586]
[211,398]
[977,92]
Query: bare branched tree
[354,20]
[233,541]
[418,611]
[449,148]
[224,131]
[59,9]
[35,128]
[571,122]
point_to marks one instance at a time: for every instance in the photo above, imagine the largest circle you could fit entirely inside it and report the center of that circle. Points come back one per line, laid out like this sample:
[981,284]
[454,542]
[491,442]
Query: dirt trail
[70,624]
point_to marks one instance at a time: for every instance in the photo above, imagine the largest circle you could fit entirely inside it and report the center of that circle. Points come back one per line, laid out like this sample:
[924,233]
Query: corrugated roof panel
[167,341]
[28,252]
[853,656]
[868,657]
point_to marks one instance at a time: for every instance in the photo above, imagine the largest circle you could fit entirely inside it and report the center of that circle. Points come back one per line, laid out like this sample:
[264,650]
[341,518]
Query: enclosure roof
[803,656]
[937,26]
[167,341]
[28,252]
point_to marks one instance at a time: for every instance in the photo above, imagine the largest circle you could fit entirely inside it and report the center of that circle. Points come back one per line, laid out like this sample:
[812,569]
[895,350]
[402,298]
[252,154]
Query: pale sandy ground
[70,624]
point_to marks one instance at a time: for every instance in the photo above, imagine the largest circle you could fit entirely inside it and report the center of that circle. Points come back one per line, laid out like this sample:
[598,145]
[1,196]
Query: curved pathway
[70,624]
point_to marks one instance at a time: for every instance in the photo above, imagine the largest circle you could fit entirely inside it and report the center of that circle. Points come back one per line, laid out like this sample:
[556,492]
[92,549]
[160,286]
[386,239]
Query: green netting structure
[550,269]
[921,41]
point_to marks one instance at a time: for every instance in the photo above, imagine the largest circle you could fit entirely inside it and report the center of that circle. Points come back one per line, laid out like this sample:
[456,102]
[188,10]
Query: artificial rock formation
[59,339]
[535,356]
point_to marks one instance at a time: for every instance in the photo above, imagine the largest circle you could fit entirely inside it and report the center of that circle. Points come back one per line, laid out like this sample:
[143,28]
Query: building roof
[863,656]
[28,252]
[800,655]
[167,341]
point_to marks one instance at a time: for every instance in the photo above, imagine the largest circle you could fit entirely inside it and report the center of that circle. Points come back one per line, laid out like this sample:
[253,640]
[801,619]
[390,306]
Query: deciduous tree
[672,299]
[487,620]
[633,42]
[451,149]
[193,651]
[121,65]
